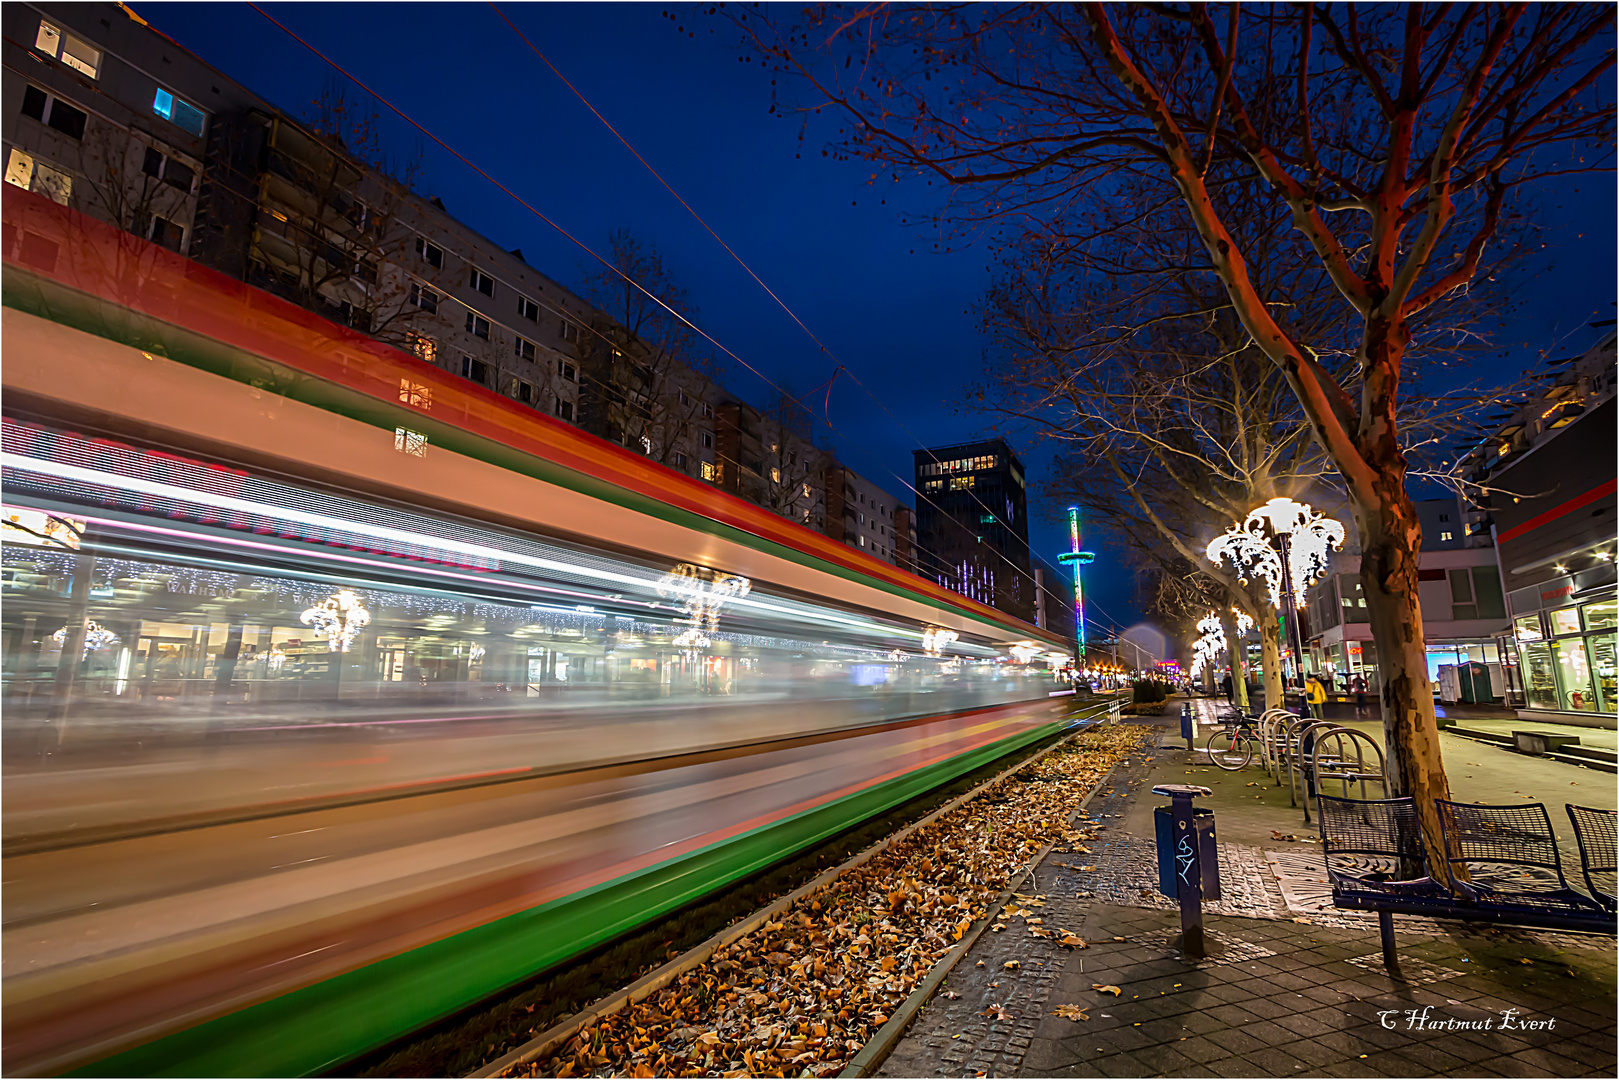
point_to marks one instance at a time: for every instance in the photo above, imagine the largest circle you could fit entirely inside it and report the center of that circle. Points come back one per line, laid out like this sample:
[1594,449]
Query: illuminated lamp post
[1297,558]
[1077,559]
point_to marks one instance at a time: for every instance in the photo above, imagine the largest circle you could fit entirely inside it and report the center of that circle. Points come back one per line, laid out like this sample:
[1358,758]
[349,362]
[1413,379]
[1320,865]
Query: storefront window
[1574,674]
[1602,659]
[1603,615]
[1527,627]
[1539,675]
[1565,621]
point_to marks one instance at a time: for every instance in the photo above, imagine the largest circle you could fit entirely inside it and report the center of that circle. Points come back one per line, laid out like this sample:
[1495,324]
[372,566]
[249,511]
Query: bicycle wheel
[1229,750]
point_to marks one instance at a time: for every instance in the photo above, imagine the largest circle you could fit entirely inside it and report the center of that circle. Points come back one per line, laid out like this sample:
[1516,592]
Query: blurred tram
[259,565]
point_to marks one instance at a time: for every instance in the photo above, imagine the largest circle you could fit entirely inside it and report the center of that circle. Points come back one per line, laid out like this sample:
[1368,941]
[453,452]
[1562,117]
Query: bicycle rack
[1358,775]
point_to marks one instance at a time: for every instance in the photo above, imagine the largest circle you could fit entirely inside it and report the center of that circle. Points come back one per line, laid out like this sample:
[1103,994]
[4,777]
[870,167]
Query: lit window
[76,53]
[709,472]
[414,393]
[477,325]
[806,491]
[424,347]
[31,175]
[775,475]
[177,112]
[525,349]
[482,282]
[1445,536]
[410,442]
[431,254]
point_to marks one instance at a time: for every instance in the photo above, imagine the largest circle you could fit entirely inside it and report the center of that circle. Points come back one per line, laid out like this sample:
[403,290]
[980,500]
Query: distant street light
[1302,539]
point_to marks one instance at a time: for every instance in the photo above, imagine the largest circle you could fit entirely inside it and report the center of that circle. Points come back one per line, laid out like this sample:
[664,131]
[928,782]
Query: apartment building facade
[1545,483]
[867,517]
[108,115]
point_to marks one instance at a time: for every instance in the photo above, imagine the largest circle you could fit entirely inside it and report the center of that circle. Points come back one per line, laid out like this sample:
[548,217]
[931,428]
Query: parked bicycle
[1232,747]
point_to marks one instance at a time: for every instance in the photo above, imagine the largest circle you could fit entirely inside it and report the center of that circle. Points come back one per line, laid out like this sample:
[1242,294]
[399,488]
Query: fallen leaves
[802,994]
[1071,1012]
[1102,988]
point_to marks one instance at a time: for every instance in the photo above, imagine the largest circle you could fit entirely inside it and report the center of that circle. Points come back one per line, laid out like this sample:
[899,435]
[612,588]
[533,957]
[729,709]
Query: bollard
[1188,729]
[1186,850]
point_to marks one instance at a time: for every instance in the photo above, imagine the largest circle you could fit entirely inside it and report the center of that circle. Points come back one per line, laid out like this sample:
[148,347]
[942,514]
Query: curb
[558,1034]
[881,1044]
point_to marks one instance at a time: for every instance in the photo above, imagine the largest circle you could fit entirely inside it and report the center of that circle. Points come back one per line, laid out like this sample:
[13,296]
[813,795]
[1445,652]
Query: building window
[410,442]
[570,332]
[54,112]
[179,113]
[680,460]
[482,282]
[431,254]
[424,348]
[1446,536]
[528,309]
[75,52]
[709,472]
[775,475]
[476,370]
[165,232]
[424,298]
[522,391]
[962,483]
[415,394]
[477,325]
[525,349]
[708,411]
[567,371]
[164,168]
[26,172]
[708,440]
[680,394]
[565,410]
[806,491]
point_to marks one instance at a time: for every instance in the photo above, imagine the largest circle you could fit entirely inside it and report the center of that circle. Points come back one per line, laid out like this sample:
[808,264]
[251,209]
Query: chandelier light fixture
[339,619]
[701,594]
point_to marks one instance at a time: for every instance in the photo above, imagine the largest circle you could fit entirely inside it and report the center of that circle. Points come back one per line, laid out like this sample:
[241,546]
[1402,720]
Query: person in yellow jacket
[1316,694]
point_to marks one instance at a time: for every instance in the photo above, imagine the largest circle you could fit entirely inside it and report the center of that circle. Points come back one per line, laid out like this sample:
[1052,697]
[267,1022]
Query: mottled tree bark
[1270,660]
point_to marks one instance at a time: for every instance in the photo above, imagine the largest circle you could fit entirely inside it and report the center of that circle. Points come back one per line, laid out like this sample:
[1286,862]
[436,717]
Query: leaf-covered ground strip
[803,994]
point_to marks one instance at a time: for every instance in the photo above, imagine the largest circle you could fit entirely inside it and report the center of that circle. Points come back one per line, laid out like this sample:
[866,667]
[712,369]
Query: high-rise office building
[972,524]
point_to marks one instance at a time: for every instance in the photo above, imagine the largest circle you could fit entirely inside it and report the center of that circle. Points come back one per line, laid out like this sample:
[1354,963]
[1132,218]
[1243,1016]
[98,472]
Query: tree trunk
[1270,660]
[1388,571]
[1234,650]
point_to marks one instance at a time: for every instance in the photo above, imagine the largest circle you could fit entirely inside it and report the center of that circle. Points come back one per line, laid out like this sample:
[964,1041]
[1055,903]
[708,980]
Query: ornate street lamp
[1286,544]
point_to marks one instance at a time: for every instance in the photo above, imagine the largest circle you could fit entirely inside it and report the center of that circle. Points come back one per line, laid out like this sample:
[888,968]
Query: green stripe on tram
[321,1026]
[102,318]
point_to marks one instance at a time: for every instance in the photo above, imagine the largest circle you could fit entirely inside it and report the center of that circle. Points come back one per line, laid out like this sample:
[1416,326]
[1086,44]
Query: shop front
[1564,633]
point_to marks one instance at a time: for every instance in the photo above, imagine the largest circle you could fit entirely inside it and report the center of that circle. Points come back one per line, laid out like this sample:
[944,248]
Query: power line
[760,281]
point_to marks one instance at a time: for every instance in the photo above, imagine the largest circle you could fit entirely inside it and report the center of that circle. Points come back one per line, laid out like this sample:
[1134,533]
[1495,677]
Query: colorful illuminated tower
[1078,558]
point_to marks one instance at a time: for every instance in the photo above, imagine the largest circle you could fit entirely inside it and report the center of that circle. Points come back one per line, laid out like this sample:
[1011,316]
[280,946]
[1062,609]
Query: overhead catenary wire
[505,189]
[760,281]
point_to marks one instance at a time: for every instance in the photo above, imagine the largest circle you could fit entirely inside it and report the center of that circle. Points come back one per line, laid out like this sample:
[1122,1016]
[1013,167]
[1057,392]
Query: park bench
[1502,865]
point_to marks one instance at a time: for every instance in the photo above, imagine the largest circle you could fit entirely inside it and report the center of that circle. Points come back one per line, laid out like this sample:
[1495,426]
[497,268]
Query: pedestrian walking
[1227,685]
[1316,695]
[1360,694]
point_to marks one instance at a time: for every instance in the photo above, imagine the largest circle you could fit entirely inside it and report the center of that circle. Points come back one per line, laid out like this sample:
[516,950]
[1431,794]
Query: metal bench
[1597,833]
[1502,866]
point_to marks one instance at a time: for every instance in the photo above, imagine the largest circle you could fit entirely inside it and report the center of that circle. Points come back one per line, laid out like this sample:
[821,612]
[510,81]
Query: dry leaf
[1071,941]
[1012,965]
[1070,1012]
[1101,989]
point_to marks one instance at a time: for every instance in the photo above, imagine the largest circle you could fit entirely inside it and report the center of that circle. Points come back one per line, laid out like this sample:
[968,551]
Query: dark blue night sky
[888,307]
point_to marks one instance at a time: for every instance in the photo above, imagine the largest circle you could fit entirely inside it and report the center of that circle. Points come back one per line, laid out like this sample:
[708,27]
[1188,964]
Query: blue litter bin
[1208,859]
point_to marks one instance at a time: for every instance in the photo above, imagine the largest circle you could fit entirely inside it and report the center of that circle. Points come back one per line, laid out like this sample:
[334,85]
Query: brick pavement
[1276,997]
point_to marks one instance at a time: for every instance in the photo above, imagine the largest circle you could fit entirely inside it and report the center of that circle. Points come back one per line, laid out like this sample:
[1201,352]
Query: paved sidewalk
[1288,990]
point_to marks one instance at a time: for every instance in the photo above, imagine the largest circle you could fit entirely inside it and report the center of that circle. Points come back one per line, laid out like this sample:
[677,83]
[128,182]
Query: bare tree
[1395,139]
[652,381]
